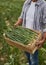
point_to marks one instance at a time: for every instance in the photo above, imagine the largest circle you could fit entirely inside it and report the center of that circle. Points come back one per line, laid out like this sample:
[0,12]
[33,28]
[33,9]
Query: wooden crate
[31,47]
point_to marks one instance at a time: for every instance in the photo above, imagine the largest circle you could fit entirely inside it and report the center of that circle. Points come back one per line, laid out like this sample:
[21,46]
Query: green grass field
[10,10]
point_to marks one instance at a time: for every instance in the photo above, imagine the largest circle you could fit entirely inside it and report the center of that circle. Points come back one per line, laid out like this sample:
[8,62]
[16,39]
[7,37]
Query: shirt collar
[39,2]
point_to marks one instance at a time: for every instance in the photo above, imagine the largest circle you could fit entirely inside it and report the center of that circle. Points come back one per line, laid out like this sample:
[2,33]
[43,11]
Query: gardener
[33,16]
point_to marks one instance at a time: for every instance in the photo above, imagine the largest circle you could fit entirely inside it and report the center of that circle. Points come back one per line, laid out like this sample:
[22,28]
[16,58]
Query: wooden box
[31,47]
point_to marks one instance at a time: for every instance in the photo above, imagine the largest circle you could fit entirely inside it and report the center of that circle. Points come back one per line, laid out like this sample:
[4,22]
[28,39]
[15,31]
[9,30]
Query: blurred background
[10,11]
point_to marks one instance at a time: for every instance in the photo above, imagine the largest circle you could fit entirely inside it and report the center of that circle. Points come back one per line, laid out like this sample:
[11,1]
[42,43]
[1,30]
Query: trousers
[32,58]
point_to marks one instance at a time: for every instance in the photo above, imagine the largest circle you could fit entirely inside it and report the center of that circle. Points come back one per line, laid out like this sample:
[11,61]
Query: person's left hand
[40,43]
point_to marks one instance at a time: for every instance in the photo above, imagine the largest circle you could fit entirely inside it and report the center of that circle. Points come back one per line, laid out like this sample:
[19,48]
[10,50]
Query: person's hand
[19,22]
[15,25]
[40,43]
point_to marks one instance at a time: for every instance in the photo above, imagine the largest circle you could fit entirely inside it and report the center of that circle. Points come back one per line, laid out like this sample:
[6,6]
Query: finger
[37,44]
[40,46]
[15,25]
[37,41]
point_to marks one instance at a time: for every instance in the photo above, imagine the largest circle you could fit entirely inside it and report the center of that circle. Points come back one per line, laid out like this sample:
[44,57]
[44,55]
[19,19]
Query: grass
[10,10]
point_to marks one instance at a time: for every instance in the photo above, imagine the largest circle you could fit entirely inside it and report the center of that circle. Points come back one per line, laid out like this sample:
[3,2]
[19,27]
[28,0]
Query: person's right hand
[15,25]
[19,22]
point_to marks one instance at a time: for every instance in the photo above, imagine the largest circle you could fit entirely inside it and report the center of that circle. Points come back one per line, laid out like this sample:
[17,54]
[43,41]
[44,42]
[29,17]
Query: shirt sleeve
[22,13]
[23,8]
[44,19]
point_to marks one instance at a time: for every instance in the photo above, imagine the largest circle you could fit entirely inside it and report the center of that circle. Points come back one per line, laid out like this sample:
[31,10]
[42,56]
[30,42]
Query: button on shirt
[30,16]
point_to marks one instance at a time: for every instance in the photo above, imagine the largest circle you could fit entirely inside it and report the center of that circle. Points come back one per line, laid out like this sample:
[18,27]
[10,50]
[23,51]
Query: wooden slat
[31,48]
[18,45]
